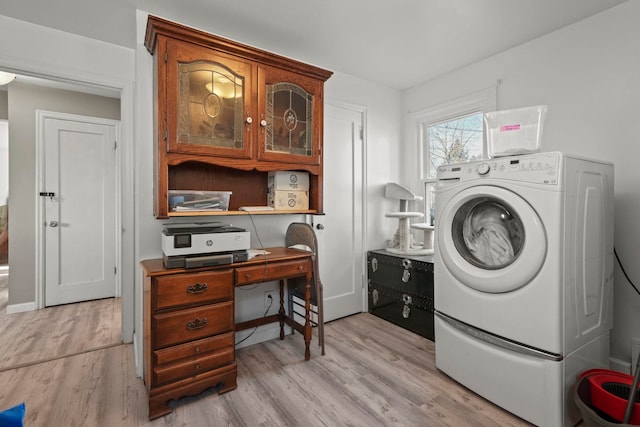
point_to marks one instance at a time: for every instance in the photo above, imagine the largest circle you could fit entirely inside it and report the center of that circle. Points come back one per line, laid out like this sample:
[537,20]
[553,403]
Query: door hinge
[166,57]
[115,271]
[115,145]
[361,133]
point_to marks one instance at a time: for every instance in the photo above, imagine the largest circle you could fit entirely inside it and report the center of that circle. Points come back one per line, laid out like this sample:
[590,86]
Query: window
[450,133]
[453,141]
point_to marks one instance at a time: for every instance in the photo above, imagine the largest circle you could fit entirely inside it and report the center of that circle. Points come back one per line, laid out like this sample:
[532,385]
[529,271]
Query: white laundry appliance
[523,276]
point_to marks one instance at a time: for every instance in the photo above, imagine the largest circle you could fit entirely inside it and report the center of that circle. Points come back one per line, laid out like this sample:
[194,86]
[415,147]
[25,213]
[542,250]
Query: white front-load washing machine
[523,276]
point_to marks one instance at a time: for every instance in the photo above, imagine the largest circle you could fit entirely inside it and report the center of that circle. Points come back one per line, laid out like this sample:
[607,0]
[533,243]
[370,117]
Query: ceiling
[396,43]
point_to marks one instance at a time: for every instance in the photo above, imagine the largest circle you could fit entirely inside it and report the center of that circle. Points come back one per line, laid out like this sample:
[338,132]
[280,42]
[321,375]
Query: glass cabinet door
[290,107]
[212,114]
[290,113]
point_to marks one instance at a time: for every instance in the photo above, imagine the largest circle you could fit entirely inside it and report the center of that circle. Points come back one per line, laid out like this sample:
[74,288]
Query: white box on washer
[514,132]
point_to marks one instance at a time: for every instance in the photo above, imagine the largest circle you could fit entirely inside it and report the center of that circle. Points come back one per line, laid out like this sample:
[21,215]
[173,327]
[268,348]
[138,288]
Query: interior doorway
[70,98]
[67,329]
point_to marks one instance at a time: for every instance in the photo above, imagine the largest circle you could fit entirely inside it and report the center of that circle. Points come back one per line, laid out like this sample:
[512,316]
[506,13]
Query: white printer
[191,245]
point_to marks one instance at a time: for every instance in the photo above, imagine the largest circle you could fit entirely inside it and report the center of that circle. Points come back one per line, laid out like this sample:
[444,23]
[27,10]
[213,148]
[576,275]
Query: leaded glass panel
[210,105]
[290,120]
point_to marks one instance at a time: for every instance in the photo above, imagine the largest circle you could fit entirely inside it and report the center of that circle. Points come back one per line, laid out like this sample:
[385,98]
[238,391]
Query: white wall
[383,142]
[589,76]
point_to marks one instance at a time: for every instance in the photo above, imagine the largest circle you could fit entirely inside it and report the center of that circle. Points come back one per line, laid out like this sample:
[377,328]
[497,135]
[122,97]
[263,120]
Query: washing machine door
[491,239]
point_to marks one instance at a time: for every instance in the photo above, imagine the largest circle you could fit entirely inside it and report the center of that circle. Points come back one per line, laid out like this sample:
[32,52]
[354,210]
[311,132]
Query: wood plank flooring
[40,335]
[373,374]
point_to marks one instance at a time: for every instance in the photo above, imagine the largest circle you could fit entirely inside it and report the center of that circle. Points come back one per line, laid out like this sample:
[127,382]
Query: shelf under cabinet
[234,213]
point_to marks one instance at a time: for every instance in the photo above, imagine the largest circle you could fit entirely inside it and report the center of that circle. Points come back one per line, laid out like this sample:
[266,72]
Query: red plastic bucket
[608,393]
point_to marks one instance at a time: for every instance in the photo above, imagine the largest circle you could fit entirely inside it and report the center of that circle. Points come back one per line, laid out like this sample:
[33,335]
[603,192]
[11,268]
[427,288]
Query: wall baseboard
[19,308]
[620,365]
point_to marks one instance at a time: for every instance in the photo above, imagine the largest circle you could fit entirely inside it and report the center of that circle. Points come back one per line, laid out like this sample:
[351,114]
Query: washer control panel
[542,168]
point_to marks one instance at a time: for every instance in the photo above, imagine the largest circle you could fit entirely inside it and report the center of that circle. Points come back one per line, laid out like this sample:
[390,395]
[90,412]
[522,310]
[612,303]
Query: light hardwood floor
[373,374]
[35,336]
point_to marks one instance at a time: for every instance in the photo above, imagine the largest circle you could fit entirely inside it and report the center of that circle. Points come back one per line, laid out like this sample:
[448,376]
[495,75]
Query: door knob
[320,226]
[53,223]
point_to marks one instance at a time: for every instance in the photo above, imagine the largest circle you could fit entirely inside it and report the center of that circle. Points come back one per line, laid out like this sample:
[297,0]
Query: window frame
[479,102]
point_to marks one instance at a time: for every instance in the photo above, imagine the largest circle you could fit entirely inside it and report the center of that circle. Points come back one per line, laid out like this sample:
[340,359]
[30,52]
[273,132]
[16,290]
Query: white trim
[41,116]
[20,308]
[483,100]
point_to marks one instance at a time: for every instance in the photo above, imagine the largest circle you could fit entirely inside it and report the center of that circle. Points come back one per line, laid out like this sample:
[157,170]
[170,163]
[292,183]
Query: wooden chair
[302,236]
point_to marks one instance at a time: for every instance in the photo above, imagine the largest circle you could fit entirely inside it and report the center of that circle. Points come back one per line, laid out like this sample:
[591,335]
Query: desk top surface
[155,267]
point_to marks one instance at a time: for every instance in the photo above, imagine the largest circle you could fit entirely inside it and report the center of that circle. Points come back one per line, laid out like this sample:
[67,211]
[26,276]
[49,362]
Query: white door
[341,254]
[79,209]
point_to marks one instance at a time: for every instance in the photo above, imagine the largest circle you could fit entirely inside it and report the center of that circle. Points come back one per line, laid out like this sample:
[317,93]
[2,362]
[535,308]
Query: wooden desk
[189,326]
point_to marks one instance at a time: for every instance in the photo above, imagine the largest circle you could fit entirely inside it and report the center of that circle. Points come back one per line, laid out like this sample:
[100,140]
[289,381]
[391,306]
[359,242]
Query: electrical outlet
[268,298]
[635,351]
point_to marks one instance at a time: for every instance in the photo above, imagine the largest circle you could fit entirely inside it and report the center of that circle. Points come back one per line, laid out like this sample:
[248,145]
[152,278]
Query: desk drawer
[193,349]
[268,272]
[190,324]
[194,366]
[195,288]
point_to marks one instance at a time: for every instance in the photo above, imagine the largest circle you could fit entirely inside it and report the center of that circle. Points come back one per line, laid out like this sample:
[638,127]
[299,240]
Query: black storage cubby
[400,289]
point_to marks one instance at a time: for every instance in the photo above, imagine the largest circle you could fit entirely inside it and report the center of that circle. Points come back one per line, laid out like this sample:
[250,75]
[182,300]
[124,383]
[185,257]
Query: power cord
[256,328]
[255,229]
[624,272]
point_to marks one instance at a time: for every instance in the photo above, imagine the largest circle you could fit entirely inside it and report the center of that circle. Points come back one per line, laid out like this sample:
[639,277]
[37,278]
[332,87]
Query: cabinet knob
[249,120]
[197,367]
[197,349]
[263,123]
[301,267]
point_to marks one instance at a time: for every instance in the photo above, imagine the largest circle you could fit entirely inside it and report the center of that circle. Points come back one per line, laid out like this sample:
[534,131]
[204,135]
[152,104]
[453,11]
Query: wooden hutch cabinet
[226,114]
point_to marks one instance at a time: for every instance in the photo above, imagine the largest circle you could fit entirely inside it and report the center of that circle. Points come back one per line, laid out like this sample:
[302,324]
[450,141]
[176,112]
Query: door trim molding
[41,116]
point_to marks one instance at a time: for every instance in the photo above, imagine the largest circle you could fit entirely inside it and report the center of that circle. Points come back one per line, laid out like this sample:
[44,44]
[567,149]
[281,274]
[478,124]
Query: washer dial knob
[483,168]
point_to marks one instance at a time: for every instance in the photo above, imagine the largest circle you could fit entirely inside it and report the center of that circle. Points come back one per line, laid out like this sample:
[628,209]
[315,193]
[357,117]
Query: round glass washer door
[491,239]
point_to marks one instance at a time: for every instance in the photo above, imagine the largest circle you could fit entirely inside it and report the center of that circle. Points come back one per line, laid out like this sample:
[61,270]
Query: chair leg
[320,302]
[281,312]
[290,304]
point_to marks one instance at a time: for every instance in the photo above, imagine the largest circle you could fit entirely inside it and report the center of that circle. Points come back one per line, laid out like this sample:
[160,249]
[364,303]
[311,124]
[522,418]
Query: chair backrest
[301,233]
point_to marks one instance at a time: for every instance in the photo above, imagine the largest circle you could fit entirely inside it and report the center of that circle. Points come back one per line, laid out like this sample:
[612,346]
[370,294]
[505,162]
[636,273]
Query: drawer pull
[197,288]
[300,267]
[247,276]
[196,324]
[197,367]
[197,349]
